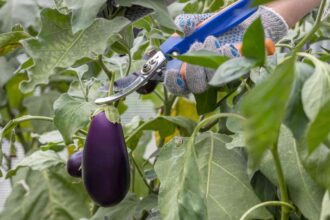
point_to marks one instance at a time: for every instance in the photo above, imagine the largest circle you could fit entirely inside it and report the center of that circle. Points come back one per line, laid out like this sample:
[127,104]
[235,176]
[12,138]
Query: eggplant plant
[256,145]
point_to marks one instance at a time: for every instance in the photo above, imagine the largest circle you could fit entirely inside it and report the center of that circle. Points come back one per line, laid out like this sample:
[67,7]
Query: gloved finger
[174,79]
[197,77]
[188,22]
[183,78]
[175,83]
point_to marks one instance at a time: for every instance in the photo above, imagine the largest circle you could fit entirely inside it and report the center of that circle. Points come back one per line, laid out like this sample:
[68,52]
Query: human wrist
[285,8]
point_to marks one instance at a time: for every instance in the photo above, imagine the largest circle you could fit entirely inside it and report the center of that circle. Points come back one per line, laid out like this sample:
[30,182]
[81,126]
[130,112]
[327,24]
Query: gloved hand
[182,78]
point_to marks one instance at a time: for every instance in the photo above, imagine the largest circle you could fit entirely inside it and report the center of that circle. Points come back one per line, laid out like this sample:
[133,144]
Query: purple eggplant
[73,165]
[105,165]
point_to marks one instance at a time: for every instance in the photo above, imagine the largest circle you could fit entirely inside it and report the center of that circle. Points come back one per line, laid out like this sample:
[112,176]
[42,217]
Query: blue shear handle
[215,26]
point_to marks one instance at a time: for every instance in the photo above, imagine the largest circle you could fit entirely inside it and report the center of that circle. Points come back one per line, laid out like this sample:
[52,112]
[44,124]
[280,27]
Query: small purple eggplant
[105,165]
[73,165]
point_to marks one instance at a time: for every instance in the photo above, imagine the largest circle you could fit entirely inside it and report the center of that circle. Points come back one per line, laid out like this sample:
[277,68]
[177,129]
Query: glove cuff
[275,25]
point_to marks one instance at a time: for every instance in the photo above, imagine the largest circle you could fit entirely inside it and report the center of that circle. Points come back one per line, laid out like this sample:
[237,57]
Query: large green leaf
[207,101]
[316,90]
[223,176]
[39,160]
[46,195]
[165,125]
[325,214]
[10,41]
[124,210]
[71,114]
[296,118]
[83,12]
[264,107]
[232,70]
[319,129]
[18,12]
[41,105]
[181,194]
[56,46]
[254,42]
[130,208]
[304,192]
[317,163]
[203,58]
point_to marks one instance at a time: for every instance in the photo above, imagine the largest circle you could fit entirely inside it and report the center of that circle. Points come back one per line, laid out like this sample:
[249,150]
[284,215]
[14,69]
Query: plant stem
[110,74]
[140,172]
[78,137]
[315,27]
[264,204]
[129,64]
[19,132]
[111,85]
[281,182]
[104,67]
[159,95]
[83,132]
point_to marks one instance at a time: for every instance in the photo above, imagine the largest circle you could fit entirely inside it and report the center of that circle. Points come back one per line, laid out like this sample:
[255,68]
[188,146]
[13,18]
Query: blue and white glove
[182,79]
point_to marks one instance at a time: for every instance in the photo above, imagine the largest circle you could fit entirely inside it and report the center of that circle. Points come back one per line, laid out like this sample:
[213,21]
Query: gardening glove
[182,79]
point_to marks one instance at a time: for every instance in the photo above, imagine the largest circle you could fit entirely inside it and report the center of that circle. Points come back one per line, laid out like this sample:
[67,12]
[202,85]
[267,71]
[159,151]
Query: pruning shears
[216,25]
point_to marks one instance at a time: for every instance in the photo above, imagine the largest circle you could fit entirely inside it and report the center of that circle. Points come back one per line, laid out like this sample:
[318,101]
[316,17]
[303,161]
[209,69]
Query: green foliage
[10,41]
[232,70]
[71,114]
[203,58]
[298,180]
[258,137]
[254,42]
[49,194]
[56,36]
[222,172]
[39,160]
[265,109]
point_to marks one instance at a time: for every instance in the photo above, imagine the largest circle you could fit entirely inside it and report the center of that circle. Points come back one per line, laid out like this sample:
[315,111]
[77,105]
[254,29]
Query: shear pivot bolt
[146,67]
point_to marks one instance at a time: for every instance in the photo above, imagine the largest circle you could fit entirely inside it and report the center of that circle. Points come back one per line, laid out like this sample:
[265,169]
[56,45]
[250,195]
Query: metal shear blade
[150,70]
